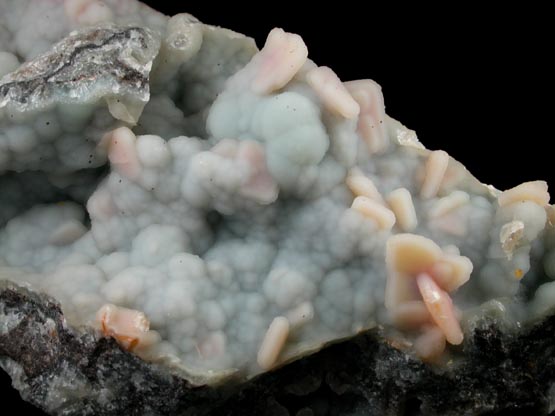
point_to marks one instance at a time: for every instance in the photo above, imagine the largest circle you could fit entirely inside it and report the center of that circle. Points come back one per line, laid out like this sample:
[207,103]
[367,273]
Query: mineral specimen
[220,211]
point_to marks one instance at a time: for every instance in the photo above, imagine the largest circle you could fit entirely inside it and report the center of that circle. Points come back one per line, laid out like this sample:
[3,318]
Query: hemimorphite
[255,209]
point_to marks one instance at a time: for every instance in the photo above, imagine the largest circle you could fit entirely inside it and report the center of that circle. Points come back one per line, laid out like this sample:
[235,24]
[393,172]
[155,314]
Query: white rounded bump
[183,37]
[67,233]
[400,201]
[382,216]
[87,12]
[101,206]
[182,41]
[213,346]
[300,315]
[334,95]
[436,166]
[273,342]
[152,151]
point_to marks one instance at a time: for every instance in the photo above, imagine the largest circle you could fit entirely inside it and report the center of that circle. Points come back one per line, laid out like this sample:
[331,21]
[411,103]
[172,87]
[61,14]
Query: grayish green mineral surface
[222,210]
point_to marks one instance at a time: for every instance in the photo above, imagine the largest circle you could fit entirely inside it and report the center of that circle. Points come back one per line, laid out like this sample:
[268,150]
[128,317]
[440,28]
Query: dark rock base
[66,372]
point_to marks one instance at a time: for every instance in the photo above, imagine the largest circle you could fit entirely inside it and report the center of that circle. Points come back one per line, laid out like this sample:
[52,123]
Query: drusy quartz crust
[202,207]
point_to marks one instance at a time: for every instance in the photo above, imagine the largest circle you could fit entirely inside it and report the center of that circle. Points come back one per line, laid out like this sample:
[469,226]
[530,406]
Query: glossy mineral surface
[225,209]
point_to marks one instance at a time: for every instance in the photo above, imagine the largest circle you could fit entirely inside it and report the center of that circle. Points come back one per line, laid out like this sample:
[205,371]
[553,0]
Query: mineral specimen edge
[293,214]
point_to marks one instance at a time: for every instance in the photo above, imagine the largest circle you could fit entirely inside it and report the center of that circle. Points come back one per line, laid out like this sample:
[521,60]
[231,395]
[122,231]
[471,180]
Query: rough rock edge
[365,375]
[124,66]
[44,347]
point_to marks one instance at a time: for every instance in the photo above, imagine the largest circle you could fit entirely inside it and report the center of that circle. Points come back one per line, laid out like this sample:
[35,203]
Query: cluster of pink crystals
[421,276]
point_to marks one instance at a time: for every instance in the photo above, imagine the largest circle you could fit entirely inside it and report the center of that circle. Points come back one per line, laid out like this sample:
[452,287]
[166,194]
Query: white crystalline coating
[254,185]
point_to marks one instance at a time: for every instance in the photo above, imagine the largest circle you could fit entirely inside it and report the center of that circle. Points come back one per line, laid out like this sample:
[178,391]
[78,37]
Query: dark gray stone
[68,372]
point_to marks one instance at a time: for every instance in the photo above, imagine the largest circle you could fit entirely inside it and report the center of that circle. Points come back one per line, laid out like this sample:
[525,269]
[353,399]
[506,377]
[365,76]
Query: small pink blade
[441,308]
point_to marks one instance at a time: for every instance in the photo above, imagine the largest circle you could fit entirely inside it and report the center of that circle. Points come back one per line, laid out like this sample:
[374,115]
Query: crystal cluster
[223,210]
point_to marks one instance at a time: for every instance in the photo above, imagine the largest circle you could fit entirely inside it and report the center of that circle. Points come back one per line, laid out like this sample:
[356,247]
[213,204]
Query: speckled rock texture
[65,371]
[68,372]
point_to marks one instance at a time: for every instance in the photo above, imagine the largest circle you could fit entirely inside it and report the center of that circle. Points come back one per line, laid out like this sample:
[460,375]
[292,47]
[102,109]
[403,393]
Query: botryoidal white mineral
[224,210]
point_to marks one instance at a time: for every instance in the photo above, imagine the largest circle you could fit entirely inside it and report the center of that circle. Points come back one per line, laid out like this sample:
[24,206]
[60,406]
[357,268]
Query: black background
[474,82]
